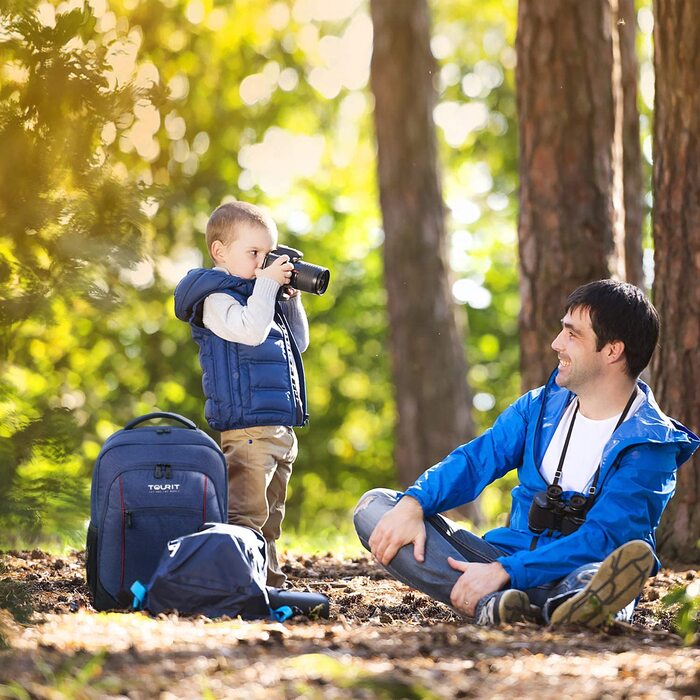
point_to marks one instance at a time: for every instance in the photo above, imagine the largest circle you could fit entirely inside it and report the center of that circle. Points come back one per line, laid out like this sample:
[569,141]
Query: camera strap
[558,473]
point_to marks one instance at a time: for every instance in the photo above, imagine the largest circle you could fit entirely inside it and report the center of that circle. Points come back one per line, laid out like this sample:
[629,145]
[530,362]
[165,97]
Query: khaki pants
[259,463]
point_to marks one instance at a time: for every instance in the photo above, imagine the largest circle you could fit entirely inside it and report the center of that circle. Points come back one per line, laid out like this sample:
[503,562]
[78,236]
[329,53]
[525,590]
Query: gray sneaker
[618,581]
[504,607]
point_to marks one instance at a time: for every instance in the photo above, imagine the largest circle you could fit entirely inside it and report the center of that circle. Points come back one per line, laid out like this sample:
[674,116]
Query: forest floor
[382,640]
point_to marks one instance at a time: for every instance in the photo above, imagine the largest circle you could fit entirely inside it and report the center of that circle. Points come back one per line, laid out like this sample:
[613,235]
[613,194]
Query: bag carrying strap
[161,414]
[281,614]
[139,591]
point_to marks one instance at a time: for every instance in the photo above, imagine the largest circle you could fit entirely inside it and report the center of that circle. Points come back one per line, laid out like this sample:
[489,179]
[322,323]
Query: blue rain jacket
[244,385]
[637,479]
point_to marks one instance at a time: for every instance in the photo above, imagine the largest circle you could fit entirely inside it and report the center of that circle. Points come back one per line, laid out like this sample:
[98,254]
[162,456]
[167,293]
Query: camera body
[305,276]
[549,511]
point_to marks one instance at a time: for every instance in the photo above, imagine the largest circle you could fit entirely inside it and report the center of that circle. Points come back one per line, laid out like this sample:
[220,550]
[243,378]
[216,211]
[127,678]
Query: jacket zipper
[293,367]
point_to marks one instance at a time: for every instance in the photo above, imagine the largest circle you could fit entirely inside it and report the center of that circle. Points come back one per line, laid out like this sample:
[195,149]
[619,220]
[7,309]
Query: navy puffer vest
[244,385]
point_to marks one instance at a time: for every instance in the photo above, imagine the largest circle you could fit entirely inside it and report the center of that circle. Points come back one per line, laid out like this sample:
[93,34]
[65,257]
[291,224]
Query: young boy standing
[250,339]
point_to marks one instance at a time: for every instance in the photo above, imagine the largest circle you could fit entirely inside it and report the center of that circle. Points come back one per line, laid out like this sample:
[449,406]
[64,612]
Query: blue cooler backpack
[220,570]
[150,485]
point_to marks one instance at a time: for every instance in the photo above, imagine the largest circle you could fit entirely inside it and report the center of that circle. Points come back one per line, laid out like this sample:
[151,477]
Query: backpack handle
[161,414]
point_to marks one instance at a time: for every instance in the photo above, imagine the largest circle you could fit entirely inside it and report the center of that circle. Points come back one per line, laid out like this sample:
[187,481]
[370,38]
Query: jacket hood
[663,429]
[197,285]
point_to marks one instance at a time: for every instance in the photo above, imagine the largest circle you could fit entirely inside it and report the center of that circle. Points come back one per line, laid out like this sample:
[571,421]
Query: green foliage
[237,67]
[126,126]
[687,602]
[71,221]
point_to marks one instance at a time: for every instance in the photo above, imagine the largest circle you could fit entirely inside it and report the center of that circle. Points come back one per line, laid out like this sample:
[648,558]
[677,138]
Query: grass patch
[341,540]
[342,544]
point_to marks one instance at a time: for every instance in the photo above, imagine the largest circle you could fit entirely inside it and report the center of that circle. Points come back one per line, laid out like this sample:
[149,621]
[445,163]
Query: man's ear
[615,351]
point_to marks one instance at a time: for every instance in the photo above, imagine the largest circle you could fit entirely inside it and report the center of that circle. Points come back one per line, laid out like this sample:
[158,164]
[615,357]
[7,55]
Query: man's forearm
[411,505]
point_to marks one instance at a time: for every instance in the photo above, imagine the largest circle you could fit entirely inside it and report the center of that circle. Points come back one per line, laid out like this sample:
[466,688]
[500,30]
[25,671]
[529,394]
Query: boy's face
[245,253]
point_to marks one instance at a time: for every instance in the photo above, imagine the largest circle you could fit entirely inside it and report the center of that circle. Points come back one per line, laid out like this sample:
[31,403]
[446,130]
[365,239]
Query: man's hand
[476,581]
[399,526]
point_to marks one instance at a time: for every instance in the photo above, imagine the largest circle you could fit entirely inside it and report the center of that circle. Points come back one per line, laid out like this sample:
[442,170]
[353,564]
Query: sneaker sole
[618,581]
[514,606]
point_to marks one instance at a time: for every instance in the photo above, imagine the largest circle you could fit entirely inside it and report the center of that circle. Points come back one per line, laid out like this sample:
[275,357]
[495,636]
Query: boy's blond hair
[226,218]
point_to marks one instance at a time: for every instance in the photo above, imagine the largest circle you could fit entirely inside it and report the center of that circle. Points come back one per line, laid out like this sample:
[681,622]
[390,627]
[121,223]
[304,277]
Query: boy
[251,329]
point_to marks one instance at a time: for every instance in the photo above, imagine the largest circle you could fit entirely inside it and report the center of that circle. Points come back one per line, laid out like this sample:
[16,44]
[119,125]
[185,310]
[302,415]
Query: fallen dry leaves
[383,641]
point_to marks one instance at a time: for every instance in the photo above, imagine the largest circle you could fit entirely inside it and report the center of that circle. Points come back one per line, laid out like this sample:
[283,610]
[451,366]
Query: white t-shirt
[585,450]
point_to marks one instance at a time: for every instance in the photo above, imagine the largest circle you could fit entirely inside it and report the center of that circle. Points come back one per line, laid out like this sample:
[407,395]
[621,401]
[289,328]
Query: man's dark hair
[620,311]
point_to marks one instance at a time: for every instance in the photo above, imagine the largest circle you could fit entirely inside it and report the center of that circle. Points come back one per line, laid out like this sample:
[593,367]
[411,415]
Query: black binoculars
[549,511]
[305,276]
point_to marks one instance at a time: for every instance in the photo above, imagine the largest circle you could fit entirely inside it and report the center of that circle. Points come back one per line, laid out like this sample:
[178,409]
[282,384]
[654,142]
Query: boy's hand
[280,271]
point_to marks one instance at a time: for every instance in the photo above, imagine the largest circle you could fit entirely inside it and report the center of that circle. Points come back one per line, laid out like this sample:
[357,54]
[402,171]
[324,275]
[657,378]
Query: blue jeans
[436,577]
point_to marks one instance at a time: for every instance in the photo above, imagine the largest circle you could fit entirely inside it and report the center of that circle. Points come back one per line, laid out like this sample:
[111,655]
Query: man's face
[579,361]
[246,252]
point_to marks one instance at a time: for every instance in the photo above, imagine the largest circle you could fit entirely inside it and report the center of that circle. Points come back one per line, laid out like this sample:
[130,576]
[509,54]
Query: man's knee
[370,509]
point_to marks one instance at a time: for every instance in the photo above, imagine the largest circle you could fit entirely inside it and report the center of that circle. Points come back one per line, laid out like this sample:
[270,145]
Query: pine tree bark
[426,340]
[676,227]
[566,121]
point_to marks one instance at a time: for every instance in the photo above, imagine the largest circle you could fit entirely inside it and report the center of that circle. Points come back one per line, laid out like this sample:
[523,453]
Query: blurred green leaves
[71,220]
[686,603]
[124,123]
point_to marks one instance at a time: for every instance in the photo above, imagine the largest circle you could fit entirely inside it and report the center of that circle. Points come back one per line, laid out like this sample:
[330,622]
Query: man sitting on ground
[596,461]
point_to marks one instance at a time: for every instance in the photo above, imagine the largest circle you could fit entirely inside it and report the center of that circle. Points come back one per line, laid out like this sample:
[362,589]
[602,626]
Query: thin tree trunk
[676,225]
[566,121]
[633,193]
[426,342]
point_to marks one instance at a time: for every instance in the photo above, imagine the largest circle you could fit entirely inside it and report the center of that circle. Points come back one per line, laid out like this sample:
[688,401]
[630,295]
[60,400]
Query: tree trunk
[633,208]
[566,121]
[426,342]
[676,225]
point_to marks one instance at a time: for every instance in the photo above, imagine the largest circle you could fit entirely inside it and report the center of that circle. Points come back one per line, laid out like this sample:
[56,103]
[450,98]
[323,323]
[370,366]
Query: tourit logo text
[163,487]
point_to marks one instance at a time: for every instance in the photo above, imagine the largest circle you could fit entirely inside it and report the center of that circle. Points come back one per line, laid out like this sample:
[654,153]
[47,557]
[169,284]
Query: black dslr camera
[550,512]
[305,276]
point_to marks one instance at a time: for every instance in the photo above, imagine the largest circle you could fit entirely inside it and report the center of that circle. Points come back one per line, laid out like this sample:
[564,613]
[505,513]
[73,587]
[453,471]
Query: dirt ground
[383,640]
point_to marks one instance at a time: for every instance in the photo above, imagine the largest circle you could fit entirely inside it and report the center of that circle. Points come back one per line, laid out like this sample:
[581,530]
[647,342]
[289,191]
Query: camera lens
[310,278]
[306,277]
